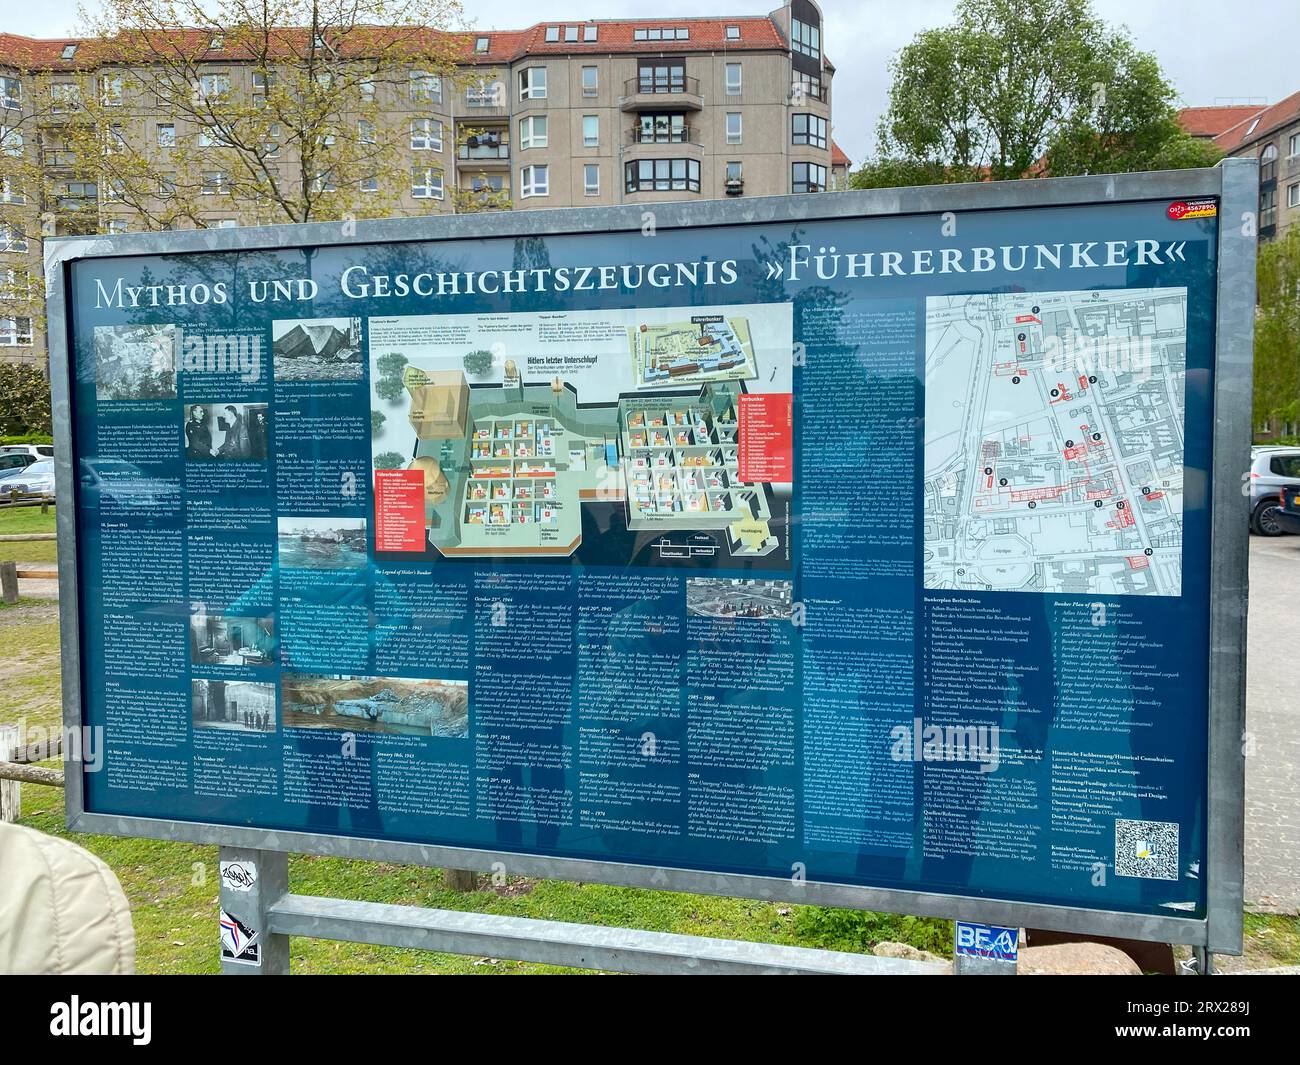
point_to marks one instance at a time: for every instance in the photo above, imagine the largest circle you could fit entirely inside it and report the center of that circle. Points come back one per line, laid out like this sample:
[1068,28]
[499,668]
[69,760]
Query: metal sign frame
[1234,182]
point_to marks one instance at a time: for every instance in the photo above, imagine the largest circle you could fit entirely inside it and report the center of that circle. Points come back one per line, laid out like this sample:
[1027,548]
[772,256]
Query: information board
[869,550]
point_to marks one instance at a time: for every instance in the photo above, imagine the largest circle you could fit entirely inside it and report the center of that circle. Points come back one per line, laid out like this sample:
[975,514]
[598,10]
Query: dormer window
[571,34]
[589,33]
[217,43]
[552,34]
[69,50]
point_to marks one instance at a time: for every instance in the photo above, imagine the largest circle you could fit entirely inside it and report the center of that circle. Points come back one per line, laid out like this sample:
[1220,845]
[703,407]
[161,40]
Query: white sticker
[238,876]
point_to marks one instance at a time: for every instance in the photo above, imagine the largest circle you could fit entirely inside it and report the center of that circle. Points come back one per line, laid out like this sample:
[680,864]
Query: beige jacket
[61,909]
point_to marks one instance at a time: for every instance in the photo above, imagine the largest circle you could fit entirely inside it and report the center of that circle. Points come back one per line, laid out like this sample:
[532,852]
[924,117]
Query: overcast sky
[1214,51]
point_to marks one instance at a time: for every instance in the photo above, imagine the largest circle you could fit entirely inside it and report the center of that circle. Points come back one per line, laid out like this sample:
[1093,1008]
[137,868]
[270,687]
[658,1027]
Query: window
[806,39]
[735,173]
[368,184]
[114,189]
[426,135]
[367,89]
[808,177]
[224,223]
[271,146]
[217,43]
[485,94]
[571,34]
[662,129]
[114,140]
[591,131]
[552,34]
[166,132]
[661,75]
[591,179]
[65,96]
[15,332]
[662,175]
[1267,207]
[213,86]
[263,83]
[733,127]
[211,138]
[11,192]
[1292,150]
[1268,163]
[215,182]
[323,181]
[110,90]
[590,81]
[365,131]
[481,44]
[1293,195]
[532,83]
[69,50]
[426,183]
[532,132]
[534,181]
[15,284]
[11,92]
[116,226]
[487,183]
[79,196]
[11,142]
[662,33]
[806,87]
[808,129]
[166,185]
[733,33]
[1284,465]
[426,88]
[488,144]
[733,79]
[12,238]
[589,33]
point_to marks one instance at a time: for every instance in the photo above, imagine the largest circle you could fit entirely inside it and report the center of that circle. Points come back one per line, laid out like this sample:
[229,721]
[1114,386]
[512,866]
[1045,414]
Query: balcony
[664,135]
[484,151]
[654,92]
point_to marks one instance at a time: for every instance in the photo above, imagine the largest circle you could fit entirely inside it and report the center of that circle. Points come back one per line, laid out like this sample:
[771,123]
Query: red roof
[838,158]
[504,46]
[1259,125]
[1211,121]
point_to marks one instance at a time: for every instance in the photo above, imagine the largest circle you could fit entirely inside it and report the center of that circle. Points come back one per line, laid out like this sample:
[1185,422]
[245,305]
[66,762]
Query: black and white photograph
[136,361]
[714,597]
[233,705]
[226,431]
[221,640]
[322,543]
[395,705]
[317,349]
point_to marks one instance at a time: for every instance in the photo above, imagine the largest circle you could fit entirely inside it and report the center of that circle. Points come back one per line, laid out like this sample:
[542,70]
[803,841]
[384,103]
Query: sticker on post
[987,941]
[238,876]
[239,943]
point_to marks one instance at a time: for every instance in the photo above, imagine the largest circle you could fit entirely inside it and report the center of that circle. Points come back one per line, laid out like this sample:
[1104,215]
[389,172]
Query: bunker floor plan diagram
[510,463]
[1054,441]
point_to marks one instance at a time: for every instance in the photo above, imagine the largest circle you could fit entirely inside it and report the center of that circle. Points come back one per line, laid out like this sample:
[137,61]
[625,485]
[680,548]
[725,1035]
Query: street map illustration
[1054,441]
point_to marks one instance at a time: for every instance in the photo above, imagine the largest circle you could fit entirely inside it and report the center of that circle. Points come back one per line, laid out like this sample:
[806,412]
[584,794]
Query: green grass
[173,886]
[16,521]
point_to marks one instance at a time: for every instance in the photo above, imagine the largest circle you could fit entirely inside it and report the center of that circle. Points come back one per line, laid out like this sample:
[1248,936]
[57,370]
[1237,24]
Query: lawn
[173,886]
[16,521]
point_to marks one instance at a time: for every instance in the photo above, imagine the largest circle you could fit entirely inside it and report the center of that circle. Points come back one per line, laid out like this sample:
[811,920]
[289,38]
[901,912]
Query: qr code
[1147,849]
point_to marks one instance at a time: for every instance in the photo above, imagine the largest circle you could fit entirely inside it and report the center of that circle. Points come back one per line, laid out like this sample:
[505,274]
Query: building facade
[1269,133]
[562,114]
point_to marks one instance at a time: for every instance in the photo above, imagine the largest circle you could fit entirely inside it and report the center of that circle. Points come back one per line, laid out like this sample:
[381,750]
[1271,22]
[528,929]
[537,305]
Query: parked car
[1270,469]
[1287,514]
[16,461]
[34,480]
[37,451]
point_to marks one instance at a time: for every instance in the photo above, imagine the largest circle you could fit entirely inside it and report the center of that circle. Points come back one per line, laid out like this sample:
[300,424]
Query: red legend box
[399,510]
[765,443]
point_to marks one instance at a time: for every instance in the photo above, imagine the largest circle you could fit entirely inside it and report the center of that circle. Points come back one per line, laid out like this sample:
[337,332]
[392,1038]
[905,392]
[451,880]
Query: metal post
[252,881]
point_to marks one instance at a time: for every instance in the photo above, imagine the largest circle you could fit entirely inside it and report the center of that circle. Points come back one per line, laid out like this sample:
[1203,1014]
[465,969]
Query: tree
[377,419]
[24,400]
[1277,331]
[1026,88]
[389,460]
[477,362]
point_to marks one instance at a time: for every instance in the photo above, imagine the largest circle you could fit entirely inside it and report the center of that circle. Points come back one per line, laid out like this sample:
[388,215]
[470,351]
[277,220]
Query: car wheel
[1264,520]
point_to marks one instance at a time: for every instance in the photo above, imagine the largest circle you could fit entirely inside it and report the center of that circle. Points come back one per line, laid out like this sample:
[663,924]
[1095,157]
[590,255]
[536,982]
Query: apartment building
[561,114]
[1269,133]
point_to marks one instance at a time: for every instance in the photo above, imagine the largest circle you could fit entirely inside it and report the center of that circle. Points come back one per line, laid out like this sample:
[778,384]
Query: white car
[37,451]
[1270,469]
[35,480]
